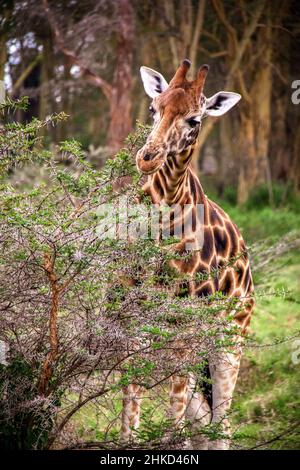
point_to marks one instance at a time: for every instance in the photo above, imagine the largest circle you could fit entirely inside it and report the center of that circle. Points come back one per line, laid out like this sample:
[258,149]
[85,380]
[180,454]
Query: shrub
[84,314]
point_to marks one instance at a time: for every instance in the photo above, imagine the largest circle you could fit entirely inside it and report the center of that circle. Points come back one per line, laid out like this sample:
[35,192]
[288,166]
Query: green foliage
[265,402]
[281,195]
[22,143]
[10,105]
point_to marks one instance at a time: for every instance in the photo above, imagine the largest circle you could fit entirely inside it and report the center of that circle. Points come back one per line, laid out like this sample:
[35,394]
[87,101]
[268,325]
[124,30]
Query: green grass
[266,401]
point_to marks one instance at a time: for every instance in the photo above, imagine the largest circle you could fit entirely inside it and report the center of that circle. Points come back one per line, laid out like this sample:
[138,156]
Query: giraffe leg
[198,412]
[178,395]
[131,411]
[224,372]
[178,398]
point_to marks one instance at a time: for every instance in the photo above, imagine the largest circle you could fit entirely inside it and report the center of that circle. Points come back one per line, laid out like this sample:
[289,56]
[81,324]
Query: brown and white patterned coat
[178,109]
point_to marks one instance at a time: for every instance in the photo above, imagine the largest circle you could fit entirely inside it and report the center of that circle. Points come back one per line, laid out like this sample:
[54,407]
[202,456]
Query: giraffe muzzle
[149,161]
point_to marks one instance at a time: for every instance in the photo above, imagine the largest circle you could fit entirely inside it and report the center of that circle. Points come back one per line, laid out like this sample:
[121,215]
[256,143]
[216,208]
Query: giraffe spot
[192,185]
[247,279]
[227,387]
[234,372]
[224,375]
[182,143]
[240,316]
[183,290]
[249,305]
[158,187]
[214,273]
[167,170]
[202,268]
[170,163]
[215,218]
[176,164]
[221,241]
[222,263]
[188,156]
[178,388]
[237,293]
[208,246]
[194,219]
[233,239]
[179,407]
[239,272]
[135,407]
[205,290]
[216,284]
[163,181]
[228,283]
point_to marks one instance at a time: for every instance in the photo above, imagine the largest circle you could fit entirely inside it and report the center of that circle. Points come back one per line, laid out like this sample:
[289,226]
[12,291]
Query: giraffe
[177,109]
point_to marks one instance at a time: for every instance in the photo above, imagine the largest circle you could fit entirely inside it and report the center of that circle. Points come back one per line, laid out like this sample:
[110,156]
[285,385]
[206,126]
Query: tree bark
[281,149]
[261,93]
[46,105]
[6,16]
[296,159]
[47,369]
[3,55]
[247,157]
[120,100]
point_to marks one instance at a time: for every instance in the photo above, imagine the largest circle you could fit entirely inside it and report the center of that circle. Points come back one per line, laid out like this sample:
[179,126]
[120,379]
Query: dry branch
[47,369]
[92,77]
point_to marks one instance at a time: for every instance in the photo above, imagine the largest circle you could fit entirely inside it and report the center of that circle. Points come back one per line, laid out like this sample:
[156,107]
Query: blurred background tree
[83,58]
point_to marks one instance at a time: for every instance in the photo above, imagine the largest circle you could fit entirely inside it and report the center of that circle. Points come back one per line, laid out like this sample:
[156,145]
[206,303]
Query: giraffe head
[177,109]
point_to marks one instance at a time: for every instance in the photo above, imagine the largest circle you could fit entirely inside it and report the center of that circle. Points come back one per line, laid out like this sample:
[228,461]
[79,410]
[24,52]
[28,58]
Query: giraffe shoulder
[228,239]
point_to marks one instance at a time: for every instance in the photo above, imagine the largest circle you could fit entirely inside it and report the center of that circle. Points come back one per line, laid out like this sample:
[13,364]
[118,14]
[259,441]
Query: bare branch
[93,78]
[197,33]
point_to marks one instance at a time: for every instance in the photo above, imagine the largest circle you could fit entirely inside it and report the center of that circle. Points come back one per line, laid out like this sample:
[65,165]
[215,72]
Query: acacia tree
[83,314]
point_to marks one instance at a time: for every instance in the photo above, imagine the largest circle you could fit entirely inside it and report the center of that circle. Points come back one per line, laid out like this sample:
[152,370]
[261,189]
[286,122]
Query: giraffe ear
[154,83]
[221,102]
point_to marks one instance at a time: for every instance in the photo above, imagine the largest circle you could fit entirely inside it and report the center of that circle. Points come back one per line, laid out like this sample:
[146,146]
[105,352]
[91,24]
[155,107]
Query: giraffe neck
[175,182]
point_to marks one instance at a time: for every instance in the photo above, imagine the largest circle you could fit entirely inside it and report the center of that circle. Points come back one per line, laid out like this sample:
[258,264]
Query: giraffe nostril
[147,157]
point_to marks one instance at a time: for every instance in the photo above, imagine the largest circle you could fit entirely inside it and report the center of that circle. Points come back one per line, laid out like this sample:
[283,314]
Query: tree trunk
[65,101]
[226,156]
[261,93]
[3,55]
[46,105]
[120,101]
[256,120]
[281,148]
[295,176]
[6,15]
[247,158]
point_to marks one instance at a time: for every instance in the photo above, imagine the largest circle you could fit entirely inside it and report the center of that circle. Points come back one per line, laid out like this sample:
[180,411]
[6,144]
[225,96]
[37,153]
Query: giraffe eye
[192,122]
